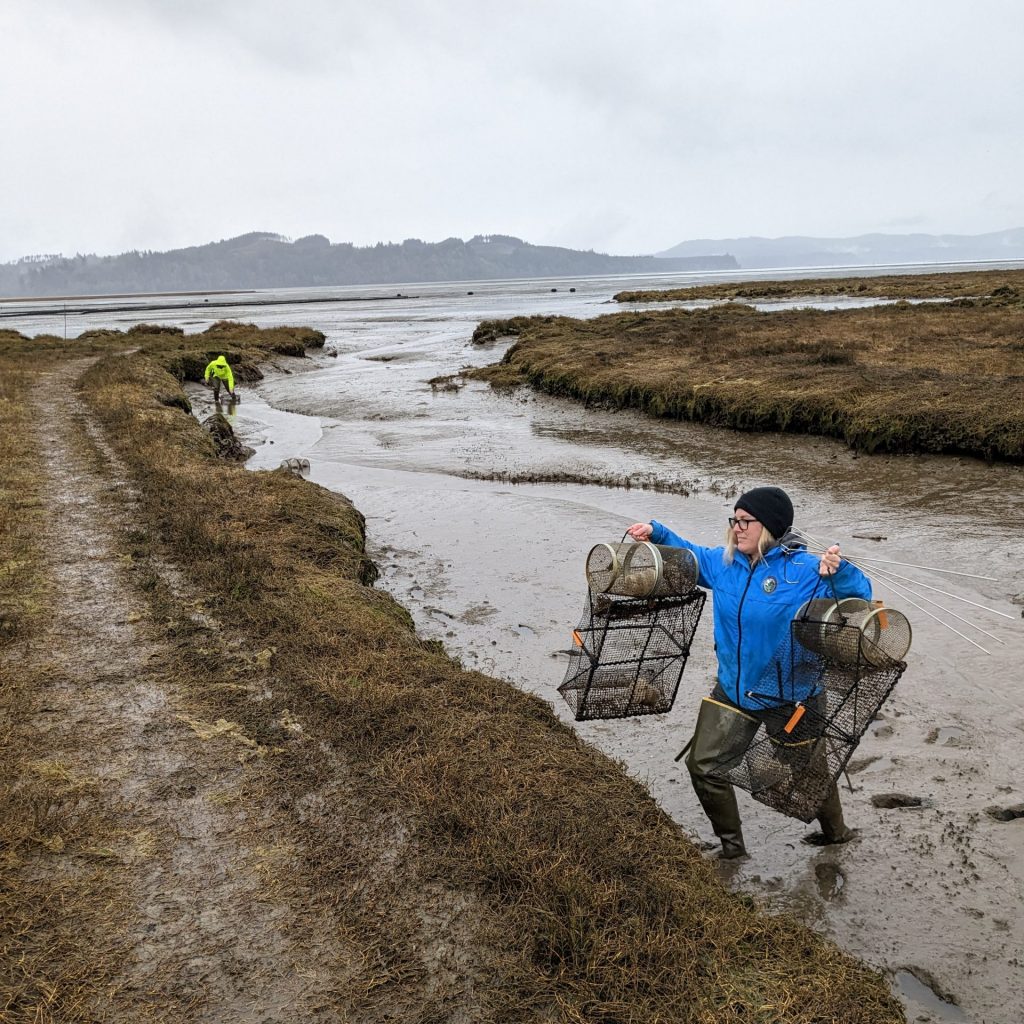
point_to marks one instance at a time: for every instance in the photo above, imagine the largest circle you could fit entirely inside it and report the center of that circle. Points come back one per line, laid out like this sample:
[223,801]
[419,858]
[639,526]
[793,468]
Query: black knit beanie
[770,506]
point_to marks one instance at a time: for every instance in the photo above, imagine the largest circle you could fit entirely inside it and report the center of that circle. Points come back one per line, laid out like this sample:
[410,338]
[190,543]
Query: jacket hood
[791,542]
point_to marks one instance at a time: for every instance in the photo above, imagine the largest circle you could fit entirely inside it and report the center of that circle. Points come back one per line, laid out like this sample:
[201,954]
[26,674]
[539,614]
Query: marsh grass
[53,939]
[572,895]
[21,589]
[999,286]
[902,378]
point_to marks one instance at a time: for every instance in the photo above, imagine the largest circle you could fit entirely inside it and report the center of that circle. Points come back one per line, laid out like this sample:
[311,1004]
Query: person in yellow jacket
[221,372]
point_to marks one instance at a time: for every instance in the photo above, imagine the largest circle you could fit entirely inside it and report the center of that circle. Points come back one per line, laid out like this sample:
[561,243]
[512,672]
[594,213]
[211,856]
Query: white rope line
[901,590]
[935,604]
[861,564]
[904,593]
[888,561]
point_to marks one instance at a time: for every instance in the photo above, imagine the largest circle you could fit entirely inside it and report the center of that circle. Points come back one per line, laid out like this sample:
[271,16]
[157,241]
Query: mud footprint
[1006,813]
[920,991]
[858,764]
[830,880]
[948,736]
[890,800]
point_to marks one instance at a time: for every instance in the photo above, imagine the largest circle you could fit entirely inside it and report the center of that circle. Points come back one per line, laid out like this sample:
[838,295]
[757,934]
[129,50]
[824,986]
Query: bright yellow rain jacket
[219,368]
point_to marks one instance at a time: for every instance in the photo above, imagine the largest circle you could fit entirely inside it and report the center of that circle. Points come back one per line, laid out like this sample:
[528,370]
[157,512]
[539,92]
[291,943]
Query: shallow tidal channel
[933,889]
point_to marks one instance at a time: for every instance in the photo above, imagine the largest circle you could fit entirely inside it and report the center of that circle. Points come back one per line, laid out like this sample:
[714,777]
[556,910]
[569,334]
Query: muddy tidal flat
[242,788]
[932,892]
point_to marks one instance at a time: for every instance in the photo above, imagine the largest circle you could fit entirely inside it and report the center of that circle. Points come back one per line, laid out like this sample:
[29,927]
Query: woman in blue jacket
[759,578]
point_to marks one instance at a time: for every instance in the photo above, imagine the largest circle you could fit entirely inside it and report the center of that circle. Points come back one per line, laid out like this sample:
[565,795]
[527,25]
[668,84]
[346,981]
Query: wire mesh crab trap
[634,637]
[846,657]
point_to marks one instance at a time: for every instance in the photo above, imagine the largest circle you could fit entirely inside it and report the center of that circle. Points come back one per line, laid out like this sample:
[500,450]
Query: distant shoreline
[947,284]
[122,295]
[733,284]
[149,307]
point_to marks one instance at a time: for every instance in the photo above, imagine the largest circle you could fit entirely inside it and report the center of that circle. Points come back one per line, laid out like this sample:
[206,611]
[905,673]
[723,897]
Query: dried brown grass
[903,378]
[20,583]
[999,285]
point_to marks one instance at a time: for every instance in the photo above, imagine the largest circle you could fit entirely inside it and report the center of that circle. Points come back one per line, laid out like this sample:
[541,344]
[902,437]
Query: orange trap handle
[798,713]
[883,619]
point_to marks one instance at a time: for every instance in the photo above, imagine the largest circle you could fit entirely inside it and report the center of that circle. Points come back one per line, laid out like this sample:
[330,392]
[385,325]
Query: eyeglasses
[741,523]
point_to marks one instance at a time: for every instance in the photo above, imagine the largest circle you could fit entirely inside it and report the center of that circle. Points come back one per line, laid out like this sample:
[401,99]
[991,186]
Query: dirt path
[194,929]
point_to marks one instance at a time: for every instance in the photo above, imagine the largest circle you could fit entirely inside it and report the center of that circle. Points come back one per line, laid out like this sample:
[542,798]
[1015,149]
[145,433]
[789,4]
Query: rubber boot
[830,818]
[719,802]
[731,837]
[719,734]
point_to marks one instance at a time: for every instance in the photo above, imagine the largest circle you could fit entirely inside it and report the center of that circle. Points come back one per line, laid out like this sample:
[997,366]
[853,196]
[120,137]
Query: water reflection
[923,997]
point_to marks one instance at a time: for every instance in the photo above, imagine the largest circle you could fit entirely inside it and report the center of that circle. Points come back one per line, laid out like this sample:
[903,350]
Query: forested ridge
[264,260]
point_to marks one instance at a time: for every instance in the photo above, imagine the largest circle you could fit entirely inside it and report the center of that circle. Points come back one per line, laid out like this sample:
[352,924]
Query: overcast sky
[622,127]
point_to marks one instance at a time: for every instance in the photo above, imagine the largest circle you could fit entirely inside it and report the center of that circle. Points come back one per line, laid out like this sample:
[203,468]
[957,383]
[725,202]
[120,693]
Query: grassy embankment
[64,897]
[20,585]
[588,902]
[972,284]
[31,809]
[933,377]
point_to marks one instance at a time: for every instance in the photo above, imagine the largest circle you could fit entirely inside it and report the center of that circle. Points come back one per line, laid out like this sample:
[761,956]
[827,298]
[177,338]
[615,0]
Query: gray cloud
[152,123]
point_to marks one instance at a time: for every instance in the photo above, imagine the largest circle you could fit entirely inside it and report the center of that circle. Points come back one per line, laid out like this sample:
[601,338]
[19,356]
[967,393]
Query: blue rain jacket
[753,607]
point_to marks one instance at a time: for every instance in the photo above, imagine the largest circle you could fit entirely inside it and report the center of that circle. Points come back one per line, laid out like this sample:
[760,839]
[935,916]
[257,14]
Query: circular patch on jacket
[769,584]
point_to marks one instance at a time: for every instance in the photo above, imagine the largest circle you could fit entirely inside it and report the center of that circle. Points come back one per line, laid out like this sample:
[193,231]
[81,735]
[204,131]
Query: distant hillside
[262,260]
[862,250]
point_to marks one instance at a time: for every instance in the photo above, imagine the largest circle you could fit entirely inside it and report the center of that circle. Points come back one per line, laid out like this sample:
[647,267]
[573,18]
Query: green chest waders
[722,733]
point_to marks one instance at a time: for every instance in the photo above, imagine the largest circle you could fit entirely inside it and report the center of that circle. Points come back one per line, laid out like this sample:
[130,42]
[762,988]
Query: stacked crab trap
[633,641]
[820,691]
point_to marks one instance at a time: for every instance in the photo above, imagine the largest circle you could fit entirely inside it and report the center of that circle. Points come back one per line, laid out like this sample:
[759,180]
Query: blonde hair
[765,542]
